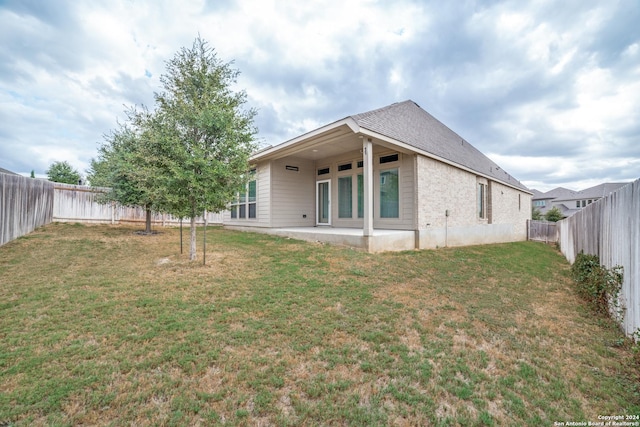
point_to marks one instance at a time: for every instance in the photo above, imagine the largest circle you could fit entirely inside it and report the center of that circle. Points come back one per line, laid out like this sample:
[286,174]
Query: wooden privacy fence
[77,203]
[25,204]
[542,231]
[610,229]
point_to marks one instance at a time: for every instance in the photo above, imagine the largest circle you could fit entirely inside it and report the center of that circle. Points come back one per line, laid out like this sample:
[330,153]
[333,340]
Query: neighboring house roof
[565,199]
[405,123]
[557,193]
[2,170]
[599,191]
[566,211]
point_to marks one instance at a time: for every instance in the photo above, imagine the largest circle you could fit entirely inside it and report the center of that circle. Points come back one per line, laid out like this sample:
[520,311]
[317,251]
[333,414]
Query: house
[394,178]
[569,201]
[6,171]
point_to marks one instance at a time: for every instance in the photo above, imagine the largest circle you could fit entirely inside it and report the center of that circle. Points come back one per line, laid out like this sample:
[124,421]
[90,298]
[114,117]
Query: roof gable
[408,123]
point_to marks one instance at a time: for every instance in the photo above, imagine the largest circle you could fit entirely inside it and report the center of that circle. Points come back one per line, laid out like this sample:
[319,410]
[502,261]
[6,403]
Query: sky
[549,90]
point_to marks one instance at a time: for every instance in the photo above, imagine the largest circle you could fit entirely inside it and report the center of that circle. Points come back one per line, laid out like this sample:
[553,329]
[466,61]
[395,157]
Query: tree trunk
[204,239]
[147,228]
[192,250]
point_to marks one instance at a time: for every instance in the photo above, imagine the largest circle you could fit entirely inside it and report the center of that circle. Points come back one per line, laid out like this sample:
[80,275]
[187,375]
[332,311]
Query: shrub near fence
[25,204]
[610,229]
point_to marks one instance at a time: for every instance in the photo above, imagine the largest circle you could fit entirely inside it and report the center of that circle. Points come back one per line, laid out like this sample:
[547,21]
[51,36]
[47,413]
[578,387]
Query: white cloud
[550,89]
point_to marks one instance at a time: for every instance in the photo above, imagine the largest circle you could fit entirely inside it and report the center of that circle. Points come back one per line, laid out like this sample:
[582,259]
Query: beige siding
[263,182]
[292,193]
[263,210]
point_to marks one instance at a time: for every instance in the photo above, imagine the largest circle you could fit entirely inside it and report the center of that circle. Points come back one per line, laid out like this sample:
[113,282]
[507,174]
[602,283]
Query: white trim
[367,174]
[328,181]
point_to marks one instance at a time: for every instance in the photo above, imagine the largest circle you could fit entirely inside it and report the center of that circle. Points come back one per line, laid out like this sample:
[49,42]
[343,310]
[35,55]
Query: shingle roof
[601,190]
[8,172]
[408,123]
[596,192]
[557,193]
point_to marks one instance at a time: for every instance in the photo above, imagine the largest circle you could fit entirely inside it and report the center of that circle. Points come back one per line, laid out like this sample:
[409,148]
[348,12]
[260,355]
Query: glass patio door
[323,203]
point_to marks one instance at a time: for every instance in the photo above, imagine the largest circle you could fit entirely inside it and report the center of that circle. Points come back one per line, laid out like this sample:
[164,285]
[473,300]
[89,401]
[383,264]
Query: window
[360,163]
[482,200]
[323,171]
[577,203]
[345,204]
[245,204]
[389,195]
[539,203]
[388,159]
[345,167]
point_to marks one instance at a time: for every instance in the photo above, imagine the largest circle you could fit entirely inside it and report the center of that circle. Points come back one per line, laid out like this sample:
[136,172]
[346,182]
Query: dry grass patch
[100,325]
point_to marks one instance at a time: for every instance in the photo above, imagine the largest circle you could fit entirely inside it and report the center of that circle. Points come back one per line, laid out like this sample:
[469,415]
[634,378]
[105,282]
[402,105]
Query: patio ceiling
[323,143]
[331,140]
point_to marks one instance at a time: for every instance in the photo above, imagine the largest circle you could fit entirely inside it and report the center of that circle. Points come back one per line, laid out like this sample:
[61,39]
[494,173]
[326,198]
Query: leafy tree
[123,165]
[553,214]
[536,215]
[202,136]
[63,172]
[33,173]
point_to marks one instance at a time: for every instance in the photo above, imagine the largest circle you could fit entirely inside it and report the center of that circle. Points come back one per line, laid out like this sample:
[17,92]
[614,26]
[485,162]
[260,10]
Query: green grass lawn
[99,325]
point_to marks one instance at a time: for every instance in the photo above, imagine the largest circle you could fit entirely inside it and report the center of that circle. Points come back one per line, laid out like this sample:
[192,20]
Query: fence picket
[610,229]
[27,203]
[543,231]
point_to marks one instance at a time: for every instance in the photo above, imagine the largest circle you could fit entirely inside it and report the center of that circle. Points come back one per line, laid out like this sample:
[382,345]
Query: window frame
[245,206]
[481,200]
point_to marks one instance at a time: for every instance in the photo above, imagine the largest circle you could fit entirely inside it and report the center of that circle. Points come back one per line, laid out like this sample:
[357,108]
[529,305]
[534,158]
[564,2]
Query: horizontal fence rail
[25,204]
[610,229]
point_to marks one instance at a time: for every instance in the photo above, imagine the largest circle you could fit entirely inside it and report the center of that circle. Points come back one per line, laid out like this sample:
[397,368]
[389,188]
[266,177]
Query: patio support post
[367,153]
